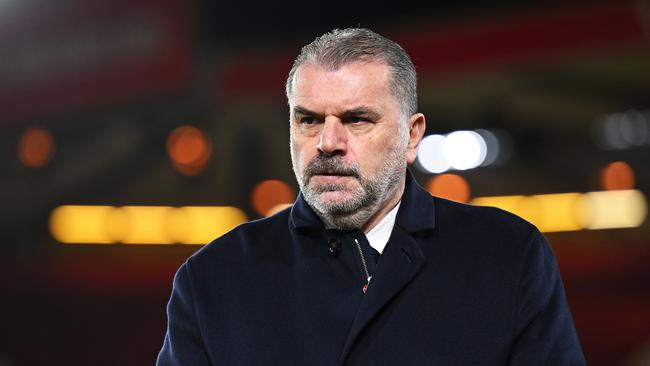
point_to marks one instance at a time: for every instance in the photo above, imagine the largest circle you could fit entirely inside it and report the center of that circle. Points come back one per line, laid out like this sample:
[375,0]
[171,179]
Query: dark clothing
[456,285]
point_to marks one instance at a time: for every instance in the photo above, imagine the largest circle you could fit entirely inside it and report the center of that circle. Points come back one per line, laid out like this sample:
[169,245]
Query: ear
[416,125]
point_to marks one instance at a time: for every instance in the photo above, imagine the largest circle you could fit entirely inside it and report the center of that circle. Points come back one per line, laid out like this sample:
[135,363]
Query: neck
[388,205]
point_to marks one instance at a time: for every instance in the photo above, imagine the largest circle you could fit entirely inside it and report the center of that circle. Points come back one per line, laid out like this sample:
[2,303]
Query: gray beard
[374,191]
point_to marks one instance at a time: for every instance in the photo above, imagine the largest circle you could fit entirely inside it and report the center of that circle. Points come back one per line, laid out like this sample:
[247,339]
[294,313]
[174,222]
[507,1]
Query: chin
[335,198]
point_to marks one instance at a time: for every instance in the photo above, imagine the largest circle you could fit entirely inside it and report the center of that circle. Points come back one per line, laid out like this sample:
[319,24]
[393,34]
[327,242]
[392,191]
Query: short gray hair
[343,46]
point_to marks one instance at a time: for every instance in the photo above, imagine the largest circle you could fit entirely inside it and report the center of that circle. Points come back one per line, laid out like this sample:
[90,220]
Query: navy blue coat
[456,285]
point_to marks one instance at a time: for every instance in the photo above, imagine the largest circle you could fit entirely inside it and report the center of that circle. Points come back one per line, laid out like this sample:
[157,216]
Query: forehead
[352,84]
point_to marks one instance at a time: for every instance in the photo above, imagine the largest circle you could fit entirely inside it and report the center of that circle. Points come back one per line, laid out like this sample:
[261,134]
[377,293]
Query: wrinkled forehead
[360,82]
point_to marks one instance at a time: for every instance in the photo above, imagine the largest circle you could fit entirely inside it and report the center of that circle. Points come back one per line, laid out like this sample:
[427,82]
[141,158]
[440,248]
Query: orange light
[269,194]
[36,147]
[277,208]
[142,224]
[617,176]
[189,149]
[200,225]
[449,186]
[80,224]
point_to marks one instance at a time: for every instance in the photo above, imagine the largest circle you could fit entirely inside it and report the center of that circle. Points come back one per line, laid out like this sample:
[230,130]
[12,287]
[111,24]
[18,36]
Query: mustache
[330,165]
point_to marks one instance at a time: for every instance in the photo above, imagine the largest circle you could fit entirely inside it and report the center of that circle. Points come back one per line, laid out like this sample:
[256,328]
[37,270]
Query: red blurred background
[180,103]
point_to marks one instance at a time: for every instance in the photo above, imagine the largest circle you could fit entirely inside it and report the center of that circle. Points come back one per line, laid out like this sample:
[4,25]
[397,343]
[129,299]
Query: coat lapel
[400,262]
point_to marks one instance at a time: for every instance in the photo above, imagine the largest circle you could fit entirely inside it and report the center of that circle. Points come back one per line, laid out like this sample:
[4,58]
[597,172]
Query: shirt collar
[378,236]
[415,213]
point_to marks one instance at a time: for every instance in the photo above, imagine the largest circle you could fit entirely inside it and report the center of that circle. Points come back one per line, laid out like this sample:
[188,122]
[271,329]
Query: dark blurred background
[113,114]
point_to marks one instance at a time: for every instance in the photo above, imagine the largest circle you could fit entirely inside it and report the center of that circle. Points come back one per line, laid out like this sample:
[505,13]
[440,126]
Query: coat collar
[416,212]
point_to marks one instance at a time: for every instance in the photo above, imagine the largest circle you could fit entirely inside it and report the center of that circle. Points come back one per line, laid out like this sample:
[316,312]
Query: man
[366,268]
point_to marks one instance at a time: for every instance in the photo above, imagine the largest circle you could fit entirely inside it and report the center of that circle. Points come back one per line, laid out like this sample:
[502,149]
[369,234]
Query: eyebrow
[357,111]
[304,111]
[361,111]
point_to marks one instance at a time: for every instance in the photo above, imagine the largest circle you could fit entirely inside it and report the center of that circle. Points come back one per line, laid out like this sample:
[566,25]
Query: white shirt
[378,236]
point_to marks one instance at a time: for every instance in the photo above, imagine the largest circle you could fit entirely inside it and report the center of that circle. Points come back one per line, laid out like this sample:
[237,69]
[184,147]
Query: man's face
[349,141]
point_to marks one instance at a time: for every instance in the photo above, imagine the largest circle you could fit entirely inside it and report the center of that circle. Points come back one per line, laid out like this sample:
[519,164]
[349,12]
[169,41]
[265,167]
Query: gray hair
[343,46]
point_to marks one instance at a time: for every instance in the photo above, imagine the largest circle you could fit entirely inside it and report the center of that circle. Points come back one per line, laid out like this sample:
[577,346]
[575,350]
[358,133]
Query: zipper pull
[365,287]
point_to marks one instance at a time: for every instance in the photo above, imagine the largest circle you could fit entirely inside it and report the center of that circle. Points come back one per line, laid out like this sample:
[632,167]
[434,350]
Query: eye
[356,120]
[308,120]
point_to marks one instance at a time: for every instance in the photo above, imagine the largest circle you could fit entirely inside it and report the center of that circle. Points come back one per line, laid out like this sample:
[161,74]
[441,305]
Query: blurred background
[132,132]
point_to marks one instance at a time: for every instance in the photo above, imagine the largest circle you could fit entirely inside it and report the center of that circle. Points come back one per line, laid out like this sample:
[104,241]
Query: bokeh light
[560,212]
[575,211]
[80,224]
[36,147]
[75,224]
[464,149]
[507,203]
[449,186]
[145,225]
[492,146]
[202,224]
[430,155]
[270,193]
[189,150]
[614,209]
[617,175]
[277,208]
[622,130]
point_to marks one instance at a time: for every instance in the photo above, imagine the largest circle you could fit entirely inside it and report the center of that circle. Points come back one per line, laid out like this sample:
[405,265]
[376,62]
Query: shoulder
[485,226]
[244,240]
[491,243]
[481,218]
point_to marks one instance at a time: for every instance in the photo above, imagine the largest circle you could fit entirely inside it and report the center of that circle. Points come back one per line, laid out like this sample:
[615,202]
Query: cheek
[381,148]
[373,152]
[300,153]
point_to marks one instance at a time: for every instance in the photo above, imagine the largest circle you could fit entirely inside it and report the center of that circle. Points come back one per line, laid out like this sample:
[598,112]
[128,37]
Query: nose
[333,137]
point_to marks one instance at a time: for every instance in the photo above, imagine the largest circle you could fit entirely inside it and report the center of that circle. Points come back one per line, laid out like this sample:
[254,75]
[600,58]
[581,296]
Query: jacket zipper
[365,267]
